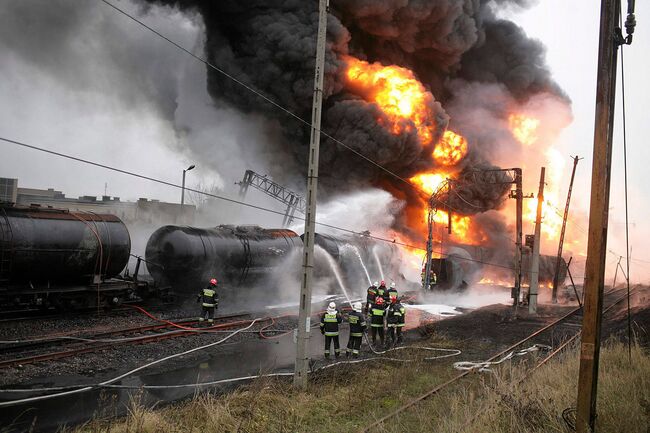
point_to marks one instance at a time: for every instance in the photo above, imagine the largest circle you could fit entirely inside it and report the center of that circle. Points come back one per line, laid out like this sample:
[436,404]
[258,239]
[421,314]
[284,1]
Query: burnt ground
[495,327]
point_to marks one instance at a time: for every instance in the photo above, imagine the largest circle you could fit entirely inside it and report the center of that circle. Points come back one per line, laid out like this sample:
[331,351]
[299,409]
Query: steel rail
[93,346]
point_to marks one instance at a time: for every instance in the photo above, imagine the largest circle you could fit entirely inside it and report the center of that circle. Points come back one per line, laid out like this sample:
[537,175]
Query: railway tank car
[54,255]
[464,265]
[187,257]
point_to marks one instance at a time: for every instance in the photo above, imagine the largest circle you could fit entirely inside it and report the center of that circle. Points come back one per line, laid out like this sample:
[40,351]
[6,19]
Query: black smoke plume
[271,45]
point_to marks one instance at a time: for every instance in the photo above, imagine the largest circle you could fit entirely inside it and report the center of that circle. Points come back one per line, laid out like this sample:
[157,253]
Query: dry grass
[350,398]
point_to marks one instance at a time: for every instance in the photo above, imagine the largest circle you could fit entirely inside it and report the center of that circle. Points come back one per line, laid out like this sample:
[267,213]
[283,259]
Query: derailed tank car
[55,257]
[464,265]
[187,257]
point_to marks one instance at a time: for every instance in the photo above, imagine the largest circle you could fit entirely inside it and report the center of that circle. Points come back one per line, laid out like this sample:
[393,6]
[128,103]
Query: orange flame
[397,93]
[429,182]
[450,149]
[524,128]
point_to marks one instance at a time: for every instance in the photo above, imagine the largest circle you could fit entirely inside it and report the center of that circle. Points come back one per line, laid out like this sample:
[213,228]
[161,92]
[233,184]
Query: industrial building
[141,211]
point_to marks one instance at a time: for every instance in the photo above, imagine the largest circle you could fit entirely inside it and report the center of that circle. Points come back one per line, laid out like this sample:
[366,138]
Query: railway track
[568,320]
[67,346]
[34,314]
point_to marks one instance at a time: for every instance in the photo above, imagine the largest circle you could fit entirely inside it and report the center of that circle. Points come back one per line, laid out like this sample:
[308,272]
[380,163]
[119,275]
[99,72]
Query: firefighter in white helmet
[329,327]
[357,325]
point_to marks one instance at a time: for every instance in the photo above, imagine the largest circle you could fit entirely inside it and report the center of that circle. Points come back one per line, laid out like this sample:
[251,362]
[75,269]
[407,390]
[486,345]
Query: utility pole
[534,266]
[304,314]
[558,262]
[598,217]
[519,197]
[426,281]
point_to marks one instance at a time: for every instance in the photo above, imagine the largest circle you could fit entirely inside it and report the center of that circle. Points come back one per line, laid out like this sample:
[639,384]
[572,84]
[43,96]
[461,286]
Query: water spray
[358,254]
[381,270]
[335,270]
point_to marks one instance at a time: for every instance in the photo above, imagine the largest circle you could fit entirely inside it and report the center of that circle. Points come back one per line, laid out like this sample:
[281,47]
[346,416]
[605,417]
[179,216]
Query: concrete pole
[519,227]
[534,266]
[304,313]
[598,218]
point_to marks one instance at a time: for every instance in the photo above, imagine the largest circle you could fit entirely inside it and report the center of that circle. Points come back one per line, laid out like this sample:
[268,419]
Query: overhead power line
[230,200]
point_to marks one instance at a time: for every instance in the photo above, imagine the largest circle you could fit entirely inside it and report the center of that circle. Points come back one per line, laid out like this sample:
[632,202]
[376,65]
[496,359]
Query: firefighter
[392,292]
[210,301]
[377,313]
[370,298]
[395,318]
[329,327]
[357,326]
[383,292]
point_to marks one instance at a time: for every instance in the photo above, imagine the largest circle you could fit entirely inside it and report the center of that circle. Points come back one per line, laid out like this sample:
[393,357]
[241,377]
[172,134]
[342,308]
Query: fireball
[429,182]
[524,128]
[450,149]
[397,93]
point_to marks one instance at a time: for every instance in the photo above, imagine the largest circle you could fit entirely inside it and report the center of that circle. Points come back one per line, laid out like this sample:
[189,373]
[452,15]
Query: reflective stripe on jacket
[396,315]
[209,297]
[329,323]
[357,324]
[377,316]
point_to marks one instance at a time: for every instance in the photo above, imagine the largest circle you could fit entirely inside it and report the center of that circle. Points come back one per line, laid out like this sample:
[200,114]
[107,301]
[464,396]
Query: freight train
[65,259]
[54,258]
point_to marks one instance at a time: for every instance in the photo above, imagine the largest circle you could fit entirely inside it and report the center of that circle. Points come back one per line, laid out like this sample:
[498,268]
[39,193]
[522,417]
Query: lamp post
[183,187]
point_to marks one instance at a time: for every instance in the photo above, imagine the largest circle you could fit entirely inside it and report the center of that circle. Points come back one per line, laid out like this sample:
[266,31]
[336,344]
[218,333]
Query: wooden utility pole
[304,314]
[558,261]
[598,218]
[534,263]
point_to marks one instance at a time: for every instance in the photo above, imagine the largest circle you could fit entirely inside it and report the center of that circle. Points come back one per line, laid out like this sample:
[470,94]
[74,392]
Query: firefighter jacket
[392,292]
[329,323]
[357,324]
[383,292]
[209,297]
[396,315]
[372,294]
[377,313]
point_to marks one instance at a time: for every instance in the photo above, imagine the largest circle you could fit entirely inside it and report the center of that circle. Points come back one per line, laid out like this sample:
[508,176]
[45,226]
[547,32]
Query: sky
[67,93]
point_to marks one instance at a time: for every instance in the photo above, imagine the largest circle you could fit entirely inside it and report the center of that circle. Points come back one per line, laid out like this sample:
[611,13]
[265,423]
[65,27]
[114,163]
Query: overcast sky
[67,92]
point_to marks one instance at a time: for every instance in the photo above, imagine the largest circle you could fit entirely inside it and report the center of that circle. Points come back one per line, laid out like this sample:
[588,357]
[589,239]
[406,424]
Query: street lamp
[183,187]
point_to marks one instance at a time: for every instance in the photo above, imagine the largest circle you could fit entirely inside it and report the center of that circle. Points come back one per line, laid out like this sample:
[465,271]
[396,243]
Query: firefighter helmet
[331,306]
[357,306]
[213,282]
[392,284]
[379,300]
[375,284]
[383,283]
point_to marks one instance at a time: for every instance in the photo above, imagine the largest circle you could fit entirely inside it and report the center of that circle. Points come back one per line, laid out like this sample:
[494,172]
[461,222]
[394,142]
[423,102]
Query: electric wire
[230,200]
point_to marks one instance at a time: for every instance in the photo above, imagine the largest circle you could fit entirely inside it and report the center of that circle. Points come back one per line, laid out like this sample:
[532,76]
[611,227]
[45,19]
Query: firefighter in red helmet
[209,301]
